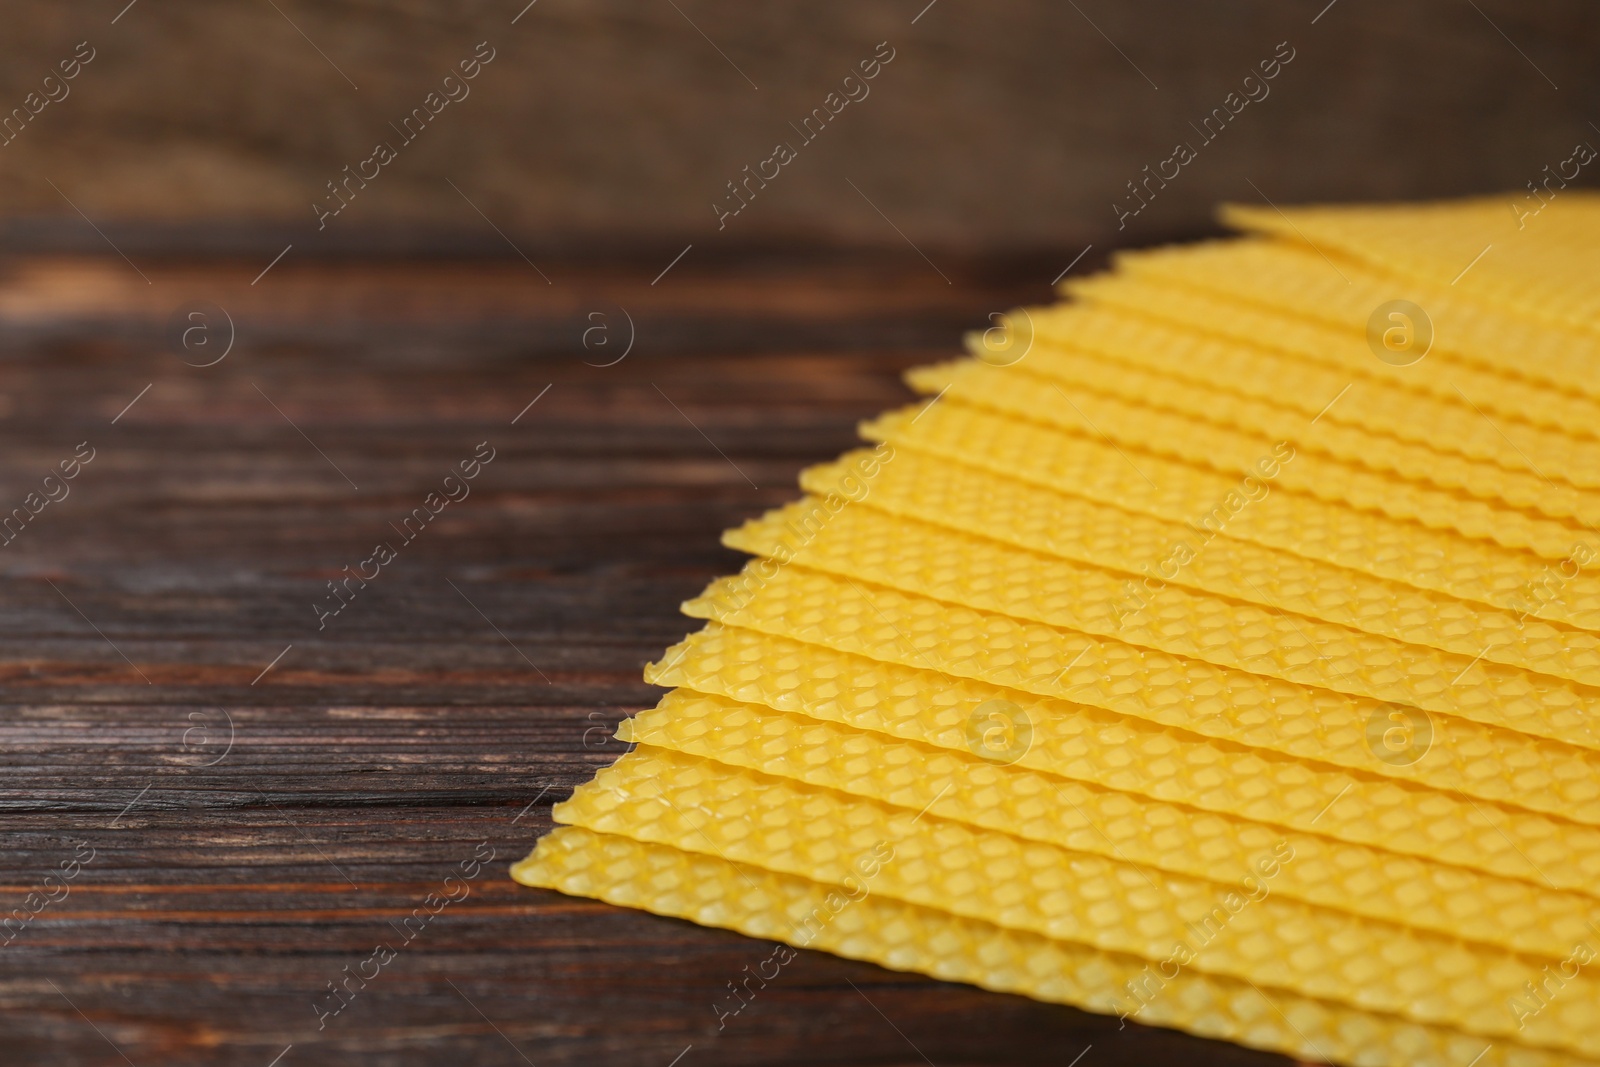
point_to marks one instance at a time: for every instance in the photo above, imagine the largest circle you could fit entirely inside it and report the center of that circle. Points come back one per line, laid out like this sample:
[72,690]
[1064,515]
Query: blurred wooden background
[1006,124]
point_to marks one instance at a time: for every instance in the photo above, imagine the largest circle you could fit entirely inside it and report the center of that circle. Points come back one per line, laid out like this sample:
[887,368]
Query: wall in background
[1000,124]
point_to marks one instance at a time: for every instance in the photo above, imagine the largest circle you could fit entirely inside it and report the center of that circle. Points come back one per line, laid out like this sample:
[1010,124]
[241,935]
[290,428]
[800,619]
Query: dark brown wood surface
[1009,122]
[256,831]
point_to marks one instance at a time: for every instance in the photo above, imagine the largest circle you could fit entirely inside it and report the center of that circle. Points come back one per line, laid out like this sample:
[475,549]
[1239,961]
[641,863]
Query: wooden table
[265,800]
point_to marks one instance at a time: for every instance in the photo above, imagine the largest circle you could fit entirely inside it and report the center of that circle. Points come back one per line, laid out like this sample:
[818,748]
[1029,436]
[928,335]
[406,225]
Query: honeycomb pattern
[1135,755]
[1038,806]
[1291,278]
[1233,386]
[1224,703]
[958,568]
[1312,360]
[1539,269]
[743,816]
[1404,552]
[1199,666]
[962,497]
[899,936]
[1183,439]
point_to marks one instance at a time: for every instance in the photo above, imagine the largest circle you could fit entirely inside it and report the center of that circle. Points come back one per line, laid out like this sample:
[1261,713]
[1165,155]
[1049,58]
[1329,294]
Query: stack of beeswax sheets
[1218,648]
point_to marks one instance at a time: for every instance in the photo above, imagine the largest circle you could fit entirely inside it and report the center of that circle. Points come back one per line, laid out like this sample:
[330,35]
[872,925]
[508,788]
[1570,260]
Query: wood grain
[1011,122]
[256,831]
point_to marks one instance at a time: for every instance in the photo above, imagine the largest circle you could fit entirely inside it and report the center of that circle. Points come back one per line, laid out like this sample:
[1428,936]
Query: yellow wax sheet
[1240,930]
[1405,433]
[1478,760]
[1137,755]
[799,911]
[960,568]
[1562,587]
[1150,432]
[1532,254]
[1274,341]
[1294,278]
[1154,553]
[983,787]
